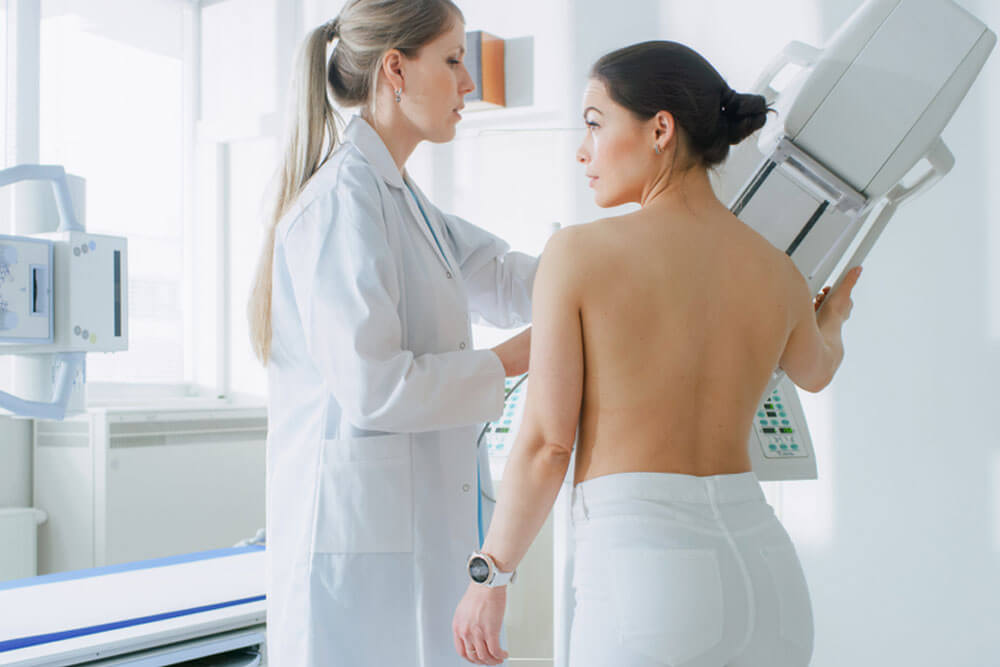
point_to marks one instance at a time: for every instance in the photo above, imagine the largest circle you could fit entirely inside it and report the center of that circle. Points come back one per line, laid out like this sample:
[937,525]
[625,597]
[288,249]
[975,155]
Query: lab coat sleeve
[348,296]
[499,282]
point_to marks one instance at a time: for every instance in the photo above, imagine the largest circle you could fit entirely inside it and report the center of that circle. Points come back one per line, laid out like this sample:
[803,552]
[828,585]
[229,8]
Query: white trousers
[685,571]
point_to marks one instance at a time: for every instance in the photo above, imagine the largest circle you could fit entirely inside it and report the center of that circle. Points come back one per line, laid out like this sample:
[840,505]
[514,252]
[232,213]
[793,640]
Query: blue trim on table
[25,642]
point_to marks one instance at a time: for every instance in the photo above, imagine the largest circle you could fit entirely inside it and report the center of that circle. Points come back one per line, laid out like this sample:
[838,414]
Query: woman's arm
[541,453]
[347,288]
[499,282]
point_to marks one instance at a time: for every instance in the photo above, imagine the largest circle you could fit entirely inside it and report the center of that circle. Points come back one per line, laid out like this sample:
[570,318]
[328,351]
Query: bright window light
[112,113]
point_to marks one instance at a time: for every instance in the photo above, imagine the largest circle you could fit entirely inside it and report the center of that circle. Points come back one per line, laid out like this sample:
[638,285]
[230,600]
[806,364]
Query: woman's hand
[514,353]
[476,626]
[838,303]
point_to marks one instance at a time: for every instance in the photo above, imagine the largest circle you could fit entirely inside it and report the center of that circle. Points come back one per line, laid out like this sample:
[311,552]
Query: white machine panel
[892,78]
[780,446]
[500,435]
[95,311]
[25,290]
[90,300]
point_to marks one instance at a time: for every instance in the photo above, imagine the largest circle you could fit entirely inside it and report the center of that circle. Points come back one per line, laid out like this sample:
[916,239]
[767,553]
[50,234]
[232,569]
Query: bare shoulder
[564,253]
[574,245]
[574,257]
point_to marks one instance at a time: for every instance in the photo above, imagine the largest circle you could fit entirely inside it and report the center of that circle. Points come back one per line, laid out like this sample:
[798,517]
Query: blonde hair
[365,31]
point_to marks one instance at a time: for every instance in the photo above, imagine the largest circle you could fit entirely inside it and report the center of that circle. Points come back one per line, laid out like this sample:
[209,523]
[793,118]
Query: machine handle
[794,53]
[55,409]
[941,162]
[55,174]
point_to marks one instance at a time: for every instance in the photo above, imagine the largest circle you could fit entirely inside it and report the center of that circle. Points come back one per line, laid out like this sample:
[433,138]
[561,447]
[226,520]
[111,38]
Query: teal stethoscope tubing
[479,441]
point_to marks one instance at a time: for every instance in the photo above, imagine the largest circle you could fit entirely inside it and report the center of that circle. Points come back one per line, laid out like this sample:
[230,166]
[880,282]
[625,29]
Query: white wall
[900,535]
[910,571]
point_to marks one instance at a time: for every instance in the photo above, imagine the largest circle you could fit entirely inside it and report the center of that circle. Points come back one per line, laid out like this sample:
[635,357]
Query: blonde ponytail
[311,140]
[365,31]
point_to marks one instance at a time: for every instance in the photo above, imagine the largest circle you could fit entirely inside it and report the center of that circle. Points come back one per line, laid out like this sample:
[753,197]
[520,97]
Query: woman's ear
[664,129]
[392,68]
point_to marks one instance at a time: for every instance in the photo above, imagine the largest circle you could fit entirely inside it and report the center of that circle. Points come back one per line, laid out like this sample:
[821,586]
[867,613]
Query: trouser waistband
[666,488]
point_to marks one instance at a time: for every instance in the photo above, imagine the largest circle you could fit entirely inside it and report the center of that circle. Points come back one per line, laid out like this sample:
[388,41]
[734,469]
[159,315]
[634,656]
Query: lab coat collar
[364,136]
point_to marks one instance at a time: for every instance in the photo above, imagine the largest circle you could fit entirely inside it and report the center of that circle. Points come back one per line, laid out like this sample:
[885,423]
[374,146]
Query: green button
[785,422]
[783,414]
[774,448]
[774,421]
[786,429]
[760,414]
[763,422]
[780,406]
[784,446]
[795,446]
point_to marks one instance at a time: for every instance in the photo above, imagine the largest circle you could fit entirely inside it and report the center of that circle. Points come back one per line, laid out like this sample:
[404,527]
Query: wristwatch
[482,570]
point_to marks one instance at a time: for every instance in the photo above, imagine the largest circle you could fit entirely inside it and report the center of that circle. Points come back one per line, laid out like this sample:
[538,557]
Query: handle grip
[794,53]
[55,409]
[55,174]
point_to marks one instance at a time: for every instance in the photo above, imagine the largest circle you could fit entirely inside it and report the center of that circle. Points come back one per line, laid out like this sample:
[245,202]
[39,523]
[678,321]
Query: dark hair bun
[650,77]
[745,114]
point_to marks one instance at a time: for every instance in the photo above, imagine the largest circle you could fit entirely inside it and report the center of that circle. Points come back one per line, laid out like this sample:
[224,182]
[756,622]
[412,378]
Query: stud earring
[399,95]
[656,147]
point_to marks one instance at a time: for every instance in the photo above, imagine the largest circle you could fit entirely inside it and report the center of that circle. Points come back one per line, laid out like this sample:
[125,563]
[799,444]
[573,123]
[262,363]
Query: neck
[691,188]
[396,132]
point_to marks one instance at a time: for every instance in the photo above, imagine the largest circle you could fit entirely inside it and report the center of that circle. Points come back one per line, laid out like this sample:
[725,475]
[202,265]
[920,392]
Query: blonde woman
[362,312]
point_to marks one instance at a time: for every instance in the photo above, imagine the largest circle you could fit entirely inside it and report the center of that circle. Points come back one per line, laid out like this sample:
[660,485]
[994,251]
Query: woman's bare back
[684,318]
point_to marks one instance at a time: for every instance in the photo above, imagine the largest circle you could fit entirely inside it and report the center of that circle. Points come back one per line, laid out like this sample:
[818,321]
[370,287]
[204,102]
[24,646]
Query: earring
[399,95]
[656,147]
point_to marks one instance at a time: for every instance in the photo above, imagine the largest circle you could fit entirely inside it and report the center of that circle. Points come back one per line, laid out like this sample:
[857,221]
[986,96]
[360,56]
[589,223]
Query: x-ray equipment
[858,117]
[62,294]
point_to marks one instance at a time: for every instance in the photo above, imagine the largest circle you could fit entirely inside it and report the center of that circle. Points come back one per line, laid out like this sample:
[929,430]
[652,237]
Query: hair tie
[331,29]
[728,99]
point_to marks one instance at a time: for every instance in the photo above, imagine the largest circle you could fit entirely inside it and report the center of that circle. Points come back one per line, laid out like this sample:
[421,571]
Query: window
[5,362]
[112,112]
[5,42]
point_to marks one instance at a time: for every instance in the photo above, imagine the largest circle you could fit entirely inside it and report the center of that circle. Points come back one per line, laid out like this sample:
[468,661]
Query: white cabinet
[126,484]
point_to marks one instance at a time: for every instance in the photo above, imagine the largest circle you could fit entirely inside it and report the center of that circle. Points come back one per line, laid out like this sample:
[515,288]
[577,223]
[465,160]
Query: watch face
[479,570]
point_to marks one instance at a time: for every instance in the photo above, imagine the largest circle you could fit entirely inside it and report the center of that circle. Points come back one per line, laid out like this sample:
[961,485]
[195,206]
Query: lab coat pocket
[794,607]
[365,498]
[668,602]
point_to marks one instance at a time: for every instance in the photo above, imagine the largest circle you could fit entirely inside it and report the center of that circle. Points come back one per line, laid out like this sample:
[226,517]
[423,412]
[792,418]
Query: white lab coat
[376,398]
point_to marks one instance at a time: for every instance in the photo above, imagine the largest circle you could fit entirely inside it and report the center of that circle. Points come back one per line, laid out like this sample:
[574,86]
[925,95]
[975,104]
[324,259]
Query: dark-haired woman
[656,333]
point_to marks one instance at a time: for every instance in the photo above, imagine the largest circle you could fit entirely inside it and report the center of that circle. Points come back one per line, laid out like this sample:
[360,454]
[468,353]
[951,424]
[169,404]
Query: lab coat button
[448,275]
[461,345]
[466,487]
